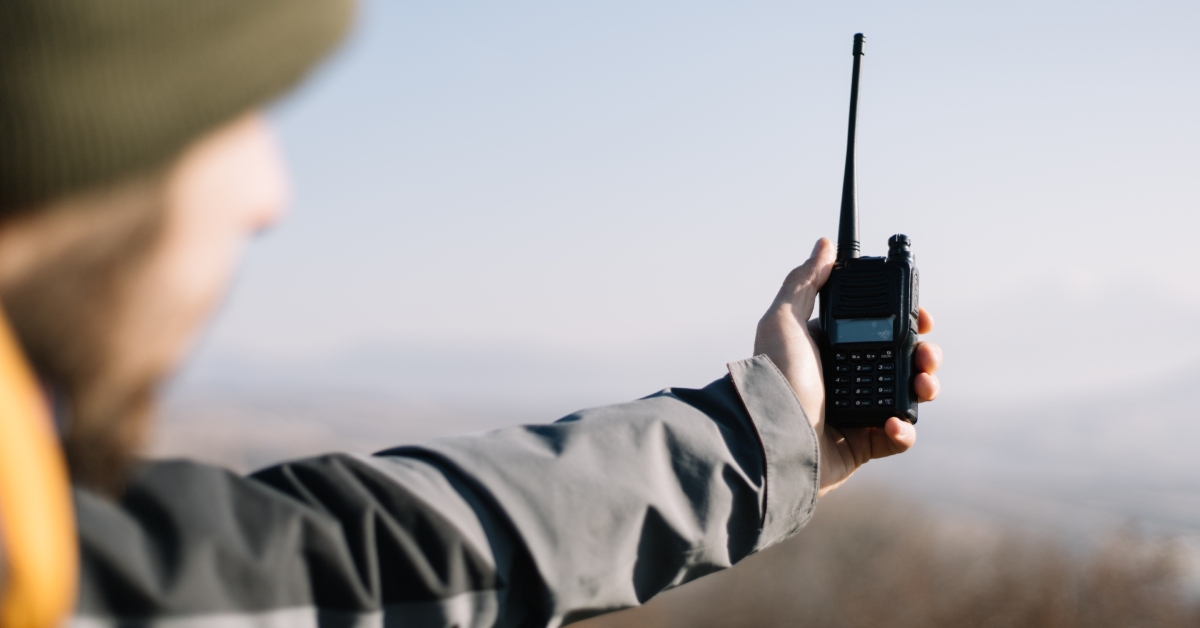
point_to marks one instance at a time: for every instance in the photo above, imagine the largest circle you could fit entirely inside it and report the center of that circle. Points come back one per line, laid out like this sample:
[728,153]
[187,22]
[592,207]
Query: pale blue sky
[627,183]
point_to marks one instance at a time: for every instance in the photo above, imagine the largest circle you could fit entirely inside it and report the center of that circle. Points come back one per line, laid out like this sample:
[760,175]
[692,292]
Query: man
[134,168]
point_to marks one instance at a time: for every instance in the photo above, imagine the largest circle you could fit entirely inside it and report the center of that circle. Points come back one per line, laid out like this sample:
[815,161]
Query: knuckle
[799,275]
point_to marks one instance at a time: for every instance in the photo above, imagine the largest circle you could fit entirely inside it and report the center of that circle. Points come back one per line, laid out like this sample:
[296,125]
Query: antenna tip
[859,39]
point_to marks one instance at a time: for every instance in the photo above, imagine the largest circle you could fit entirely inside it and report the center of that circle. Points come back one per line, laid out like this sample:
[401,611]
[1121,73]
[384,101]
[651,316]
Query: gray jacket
[537,525]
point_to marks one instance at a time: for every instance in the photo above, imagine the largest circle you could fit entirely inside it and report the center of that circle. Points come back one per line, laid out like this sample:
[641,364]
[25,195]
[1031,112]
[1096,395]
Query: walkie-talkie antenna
[848,226]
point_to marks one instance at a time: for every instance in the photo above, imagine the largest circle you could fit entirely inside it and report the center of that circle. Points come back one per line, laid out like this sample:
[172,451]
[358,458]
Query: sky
[598,200]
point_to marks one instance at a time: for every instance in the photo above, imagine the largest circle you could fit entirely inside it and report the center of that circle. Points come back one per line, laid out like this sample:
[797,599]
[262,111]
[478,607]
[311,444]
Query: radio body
[868,322]
[868,313]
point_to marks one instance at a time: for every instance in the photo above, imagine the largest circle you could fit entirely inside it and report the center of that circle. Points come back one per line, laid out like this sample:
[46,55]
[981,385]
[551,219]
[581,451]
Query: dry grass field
[870,560]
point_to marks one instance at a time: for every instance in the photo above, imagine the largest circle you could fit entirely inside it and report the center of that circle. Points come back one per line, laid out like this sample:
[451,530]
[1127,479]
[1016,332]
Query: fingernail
[816,247]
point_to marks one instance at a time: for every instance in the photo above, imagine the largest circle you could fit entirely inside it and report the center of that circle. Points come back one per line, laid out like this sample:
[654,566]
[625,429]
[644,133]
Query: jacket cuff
[789,446]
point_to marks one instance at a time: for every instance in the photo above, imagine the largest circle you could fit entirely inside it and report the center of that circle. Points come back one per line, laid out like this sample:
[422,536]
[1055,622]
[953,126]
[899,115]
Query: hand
[785,335]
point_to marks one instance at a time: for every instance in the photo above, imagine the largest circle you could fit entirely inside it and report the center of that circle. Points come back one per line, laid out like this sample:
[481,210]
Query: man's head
[107,287]
[116,243]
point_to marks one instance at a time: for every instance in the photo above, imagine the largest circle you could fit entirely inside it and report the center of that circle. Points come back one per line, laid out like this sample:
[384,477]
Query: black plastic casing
[870,288]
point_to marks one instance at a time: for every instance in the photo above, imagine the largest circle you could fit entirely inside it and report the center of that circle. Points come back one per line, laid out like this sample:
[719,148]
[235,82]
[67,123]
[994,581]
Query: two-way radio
[868,315]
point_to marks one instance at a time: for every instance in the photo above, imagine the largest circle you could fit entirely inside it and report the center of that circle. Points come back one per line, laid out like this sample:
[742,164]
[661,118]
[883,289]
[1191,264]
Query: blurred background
[507,212]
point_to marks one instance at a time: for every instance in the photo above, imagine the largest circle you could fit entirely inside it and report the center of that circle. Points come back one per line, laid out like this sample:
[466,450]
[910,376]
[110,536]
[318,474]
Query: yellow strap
[37,521]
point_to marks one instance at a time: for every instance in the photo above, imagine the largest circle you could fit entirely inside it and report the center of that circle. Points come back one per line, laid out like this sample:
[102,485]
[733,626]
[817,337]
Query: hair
[63,308]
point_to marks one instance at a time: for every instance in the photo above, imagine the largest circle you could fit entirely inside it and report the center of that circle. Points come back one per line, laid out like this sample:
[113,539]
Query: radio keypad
[874,378]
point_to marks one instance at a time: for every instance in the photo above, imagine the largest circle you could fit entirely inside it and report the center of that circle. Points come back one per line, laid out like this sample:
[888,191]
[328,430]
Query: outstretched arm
[526,526]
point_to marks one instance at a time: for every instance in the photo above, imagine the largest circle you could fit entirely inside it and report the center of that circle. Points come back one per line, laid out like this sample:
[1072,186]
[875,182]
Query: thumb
[804,282]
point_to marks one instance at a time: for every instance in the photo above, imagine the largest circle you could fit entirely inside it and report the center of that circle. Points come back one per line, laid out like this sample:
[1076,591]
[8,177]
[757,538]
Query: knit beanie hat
[91,90]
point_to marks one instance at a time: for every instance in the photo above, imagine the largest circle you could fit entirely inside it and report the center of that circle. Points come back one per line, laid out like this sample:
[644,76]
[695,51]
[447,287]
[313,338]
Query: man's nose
[269,188]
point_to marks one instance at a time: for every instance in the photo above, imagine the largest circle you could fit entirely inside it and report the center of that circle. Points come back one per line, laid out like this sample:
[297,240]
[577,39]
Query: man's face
[225,188]
[107,290]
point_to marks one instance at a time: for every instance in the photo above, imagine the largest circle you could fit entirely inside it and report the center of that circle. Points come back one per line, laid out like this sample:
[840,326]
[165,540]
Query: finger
[901,434]
[814,327]
[927,386]
[800,288]
[896,437]
[924,321]
[928,357]
[815,270]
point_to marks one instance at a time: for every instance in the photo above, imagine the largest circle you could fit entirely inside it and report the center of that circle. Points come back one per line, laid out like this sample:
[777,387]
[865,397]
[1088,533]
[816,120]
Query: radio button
[887,379]
[863,367]
[887,366]
[841,392]
[843,379]
[870,356]
[887,401]
[862,403]
[840,356]
[856,356]
[841,368]
[862,391]
[842,403]
[886,354]
[863,379]
[886,390]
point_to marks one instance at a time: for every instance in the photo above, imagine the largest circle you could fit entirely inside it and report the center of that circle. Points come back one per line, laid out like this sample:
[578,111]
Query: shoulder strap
[37,522]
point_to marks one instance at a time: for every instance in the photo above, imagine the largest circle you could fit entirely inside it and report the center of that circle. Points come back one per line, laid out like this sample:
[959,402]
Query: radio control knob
[899,247]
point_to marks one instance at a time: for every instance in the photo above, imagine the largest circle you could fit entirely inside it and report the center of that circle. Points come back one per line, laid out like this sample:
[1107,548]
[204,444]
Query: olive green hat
[93,89]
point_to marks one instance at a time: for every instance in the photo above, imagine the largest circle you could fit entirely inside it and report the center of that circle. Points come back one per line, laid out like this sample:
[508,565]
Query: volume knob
[899,246]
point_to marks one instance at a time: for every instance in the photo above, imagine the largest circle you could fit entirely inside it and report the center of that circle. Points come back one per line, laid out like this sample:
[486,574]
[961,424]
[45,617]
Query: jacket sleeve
[527,526]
